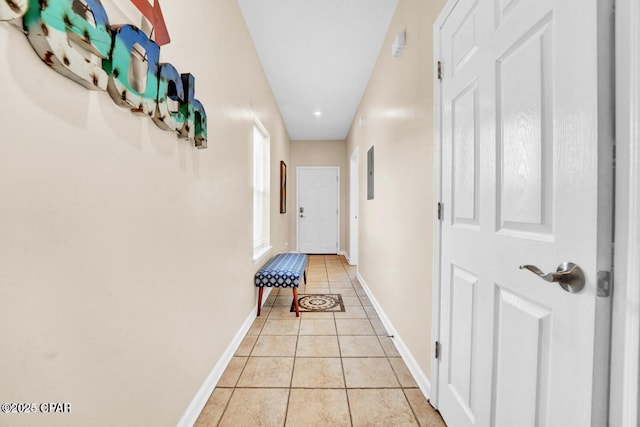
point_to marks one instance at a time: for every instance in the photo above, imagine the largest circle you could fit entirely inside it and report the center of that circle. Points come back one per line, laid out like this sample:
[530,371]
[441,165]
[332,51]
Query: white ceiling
[318,56]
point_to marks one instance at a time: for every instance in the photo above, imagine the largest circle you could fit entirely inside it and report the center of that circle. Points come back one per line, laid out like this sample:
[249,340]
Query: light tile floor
[321,369]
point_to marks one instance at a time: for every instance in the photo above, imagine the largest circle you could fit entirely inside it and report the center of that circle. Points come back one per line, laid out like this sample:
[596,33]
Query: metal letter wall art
[75,38]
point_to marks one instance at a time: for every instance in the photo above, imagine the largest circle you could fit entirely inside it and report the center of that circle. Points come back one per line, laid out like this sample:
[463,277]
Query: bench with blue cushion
[282,271]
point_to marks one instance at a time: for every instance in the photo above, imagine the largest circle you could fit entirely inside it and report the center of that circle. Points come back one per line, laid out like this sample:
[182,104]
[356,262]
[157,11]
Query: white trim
[625,348]
[264,159]
[437,224]
[354,195]
[337,169]
[194,409]
[260,254]
[418,374]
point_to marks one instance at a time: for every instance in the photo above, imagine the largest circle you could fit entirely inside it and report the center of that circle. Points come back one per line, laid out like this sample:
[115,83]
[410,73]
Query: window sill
[260,254]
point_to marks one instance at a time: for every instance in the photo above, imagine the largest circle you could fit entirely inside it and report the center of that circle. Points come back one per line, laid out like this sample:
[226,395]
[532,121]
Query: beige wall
[319,153]
[396,228]
[125,253]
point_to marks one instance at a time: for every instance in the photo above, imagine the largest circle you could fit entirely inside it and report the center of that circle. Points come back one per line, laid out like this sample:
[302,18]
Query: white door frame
[297,213]
[354,165]
[625,347]
[437,224]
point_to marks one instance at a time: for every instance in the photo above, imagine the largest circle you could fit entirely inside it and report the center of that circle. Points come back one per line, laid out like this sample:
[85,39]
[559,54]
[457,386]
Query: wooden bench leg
[260,298]
[295,301]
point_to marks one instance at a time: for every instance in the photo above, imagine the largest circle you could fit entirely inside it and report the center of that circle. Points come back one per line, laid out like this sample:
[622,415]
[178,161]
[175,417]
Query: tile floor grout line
[226,406]
[392,368]
[344,374]
[386,356]
[235,383]
[401,386]
[411,406]
[293,368]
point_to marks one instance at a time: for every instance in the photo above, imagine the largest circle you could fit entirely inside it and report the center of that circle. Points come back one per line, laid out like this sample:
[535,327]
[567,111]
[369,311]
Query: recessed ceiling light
[317,113]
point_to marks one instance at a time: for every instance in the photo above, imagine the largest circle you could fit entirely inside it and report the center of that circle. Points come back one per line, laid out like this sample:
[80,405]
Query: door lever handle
[568,275]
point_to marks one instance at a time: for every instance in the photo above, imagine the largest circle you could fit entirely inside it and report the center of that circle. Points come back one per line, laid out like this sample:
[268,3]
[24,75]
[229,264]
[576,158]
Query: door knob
[568,275]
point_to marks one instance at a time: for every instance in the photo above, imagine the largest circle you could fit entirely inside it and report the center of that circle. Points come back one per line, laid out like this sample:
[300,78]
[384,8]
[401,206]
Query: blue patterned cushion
[282,271]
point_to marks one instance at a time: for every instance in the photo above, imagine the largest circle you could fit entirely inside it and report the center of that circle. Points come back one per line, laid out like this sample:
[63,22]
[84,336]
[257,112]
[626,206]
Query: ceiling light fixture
[317,113]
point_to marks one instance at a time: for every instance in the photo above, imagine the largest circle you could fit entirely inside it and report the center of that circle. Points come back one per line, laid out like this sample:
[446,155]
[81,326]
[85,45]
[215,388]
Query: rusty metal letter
[133,70]
[13,9]
[72,37]
[170,96]
[195,127]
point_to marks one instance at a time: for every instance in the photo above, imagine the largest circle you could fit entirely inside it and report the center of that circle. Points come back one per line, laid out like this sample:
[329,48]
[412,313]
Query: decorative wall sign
[75,38]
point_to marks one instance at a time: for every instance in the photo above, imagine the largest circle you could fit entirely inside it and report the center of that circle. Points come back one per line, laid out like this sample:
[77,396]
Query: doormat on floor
[319,302]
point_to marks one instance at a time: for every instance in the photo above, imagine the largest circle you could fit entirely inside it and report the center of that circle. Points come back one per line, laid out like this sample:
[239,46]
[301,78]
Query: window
[261,199]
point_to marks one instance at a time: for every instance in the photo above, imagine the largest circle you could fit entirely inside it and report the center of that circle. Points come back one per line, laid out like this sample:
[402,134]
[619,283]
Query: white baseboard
[344,253]
[412,364]
[192,413]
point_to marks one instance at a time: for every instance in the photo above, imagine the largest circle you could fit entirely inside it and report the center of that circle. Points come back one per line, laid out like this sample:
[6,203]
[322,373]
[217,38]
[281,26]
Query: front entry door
[318,209]
[526,179]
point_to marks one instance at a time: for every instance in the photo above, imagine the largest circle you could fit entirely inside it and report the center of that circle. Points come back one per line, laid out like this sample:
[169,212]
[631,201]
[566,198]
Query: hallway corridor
[322,369]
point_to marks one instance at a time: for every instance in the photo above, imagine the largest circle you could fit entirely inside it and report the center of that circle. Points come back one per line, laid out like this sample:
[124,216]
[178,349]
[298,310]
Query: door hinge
[439,70]
[437,349]
[440,211]
[604,283]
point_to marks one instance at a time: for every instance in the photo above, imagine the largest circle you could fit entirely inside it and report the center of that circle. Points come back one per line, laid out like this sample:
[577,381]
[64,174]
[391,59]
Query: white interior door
[318,209]
[526,179]
[353,206]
